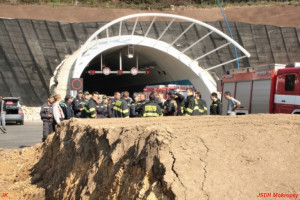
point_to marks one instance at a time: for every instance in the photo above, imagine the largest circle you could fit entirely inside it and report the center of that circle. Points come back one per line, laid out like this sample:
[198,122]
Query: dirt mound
[278,15]
[170,158]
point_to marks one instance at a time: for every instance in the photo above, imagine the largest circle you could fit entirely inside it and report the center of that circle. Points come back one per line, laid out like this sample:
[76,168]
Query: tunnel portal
[156,67]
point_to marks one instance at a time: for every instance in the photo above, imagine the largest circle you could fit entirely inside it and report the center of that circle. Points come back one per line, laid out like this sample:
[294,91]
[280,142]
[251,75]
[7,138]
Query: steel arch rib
[106,26]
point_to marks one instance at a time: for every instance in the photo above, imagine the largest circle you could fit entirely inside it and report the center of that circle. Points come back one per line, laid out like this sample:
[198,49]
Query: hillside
[288,15]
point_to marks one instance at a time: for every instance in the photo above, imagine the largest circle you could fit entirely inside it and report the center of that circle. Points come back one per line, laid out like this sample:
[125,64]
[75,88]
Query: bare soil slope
[271,15]
[166,158]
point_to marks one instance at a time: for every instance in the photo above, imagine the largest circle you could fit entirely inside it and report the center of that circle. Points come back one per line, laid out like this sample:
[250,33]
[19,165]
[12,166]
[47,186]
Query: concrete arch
[95,45]
[207,83]
[185,66]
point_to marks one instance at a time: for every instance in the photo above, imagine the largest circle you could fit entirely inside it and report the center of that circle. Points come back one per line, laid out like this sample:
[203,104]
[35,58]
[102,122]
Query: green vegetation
[152,4]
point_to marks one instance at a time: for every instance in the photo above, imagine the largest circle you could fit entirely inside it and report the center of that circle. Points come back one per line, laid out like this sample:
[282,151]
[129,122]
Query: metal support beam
[101,62]
[216,49]
[120,29]
[135,23]
[107,35]
[154,18]
[137,62]
[120,60]
[188,28]
[225,63]
[166,29]
[192,45]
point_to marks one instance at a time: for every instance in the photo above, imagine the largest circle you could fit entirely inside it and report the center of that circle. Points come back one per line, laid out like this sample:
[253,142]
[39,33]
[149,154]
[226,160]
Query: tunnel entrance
[156,67]
[169,49]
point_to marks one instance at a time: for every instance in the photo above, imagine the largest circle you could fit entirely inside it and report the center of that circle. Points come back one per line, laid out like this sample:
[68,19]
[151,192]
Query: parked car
[14,111]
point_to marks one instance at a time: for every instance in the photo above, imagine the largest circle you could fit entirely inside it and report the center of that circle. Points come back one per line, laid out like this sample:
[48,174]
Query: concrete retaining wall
[30,50]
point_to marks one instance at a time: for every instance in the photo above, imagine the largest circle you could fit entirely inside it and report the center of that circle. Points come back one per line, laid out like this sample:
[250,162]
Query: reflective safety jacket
[46,110]
[170,107]
[67,109]
[139,108]
[77,105]
[89,110]
[133,112]
[216,107]
[120,109]
[151,109]
[180,104]
[202,107]
[102,110]
[191,107]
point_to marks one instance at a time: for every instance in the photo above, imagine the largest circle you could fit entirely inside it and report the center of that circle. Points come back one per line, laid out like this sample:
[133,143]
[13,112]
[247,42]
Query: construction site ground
[206,157]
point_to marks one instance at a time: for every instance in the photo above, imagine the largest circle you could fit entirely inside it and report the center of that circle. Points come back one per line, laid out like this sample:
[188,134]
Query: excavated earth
[160,158]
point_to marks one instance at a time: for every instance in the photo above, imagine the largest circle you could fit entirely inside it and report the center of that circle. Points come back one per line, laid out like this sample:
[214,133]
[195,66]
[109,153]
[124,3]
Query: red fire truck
[264,89]
[165,88]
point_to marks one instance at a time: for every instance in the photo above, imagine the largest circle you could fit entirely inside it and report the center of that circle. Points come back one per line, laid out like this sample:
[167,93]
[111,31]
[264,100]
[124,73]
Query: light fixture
[130,51]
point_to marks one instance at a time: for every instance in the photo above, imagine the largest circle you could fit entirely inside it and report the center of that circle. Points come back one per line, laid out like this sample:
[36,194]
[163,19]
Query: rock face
[189,158]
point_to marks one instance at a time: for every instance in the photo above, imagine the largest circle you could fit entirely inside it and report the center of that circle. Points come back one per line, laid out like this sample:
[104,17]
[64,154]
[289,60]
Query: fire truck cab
[264,89]
[287,90]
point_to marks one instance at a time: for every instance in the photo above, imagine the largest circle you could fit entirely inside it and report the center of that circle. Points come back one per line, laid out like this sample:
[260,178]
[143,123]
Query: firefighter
[126,97]
[111,104]
[179,98]
[58,113]
[133,105]
[85,112]
[161,100]
[90,107]
[67,107]
[46,114]
[201,104]
[86,96]
[78,104]
[140,104]
[102,111]
[233,104]
[2,115]
[170,105]
[120,109]
[191,104]
[151,108]
[216,105]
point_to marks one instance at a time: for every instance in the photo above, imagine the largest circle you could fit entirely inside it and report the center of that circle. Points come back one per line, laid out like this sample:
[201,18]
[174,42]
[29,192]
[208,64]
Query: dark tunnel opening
[149,60]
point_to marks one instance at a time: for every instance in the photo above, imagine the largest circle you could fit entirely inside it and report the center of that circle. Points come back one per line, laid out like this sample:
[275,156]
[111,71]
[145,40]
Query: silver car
[14,111]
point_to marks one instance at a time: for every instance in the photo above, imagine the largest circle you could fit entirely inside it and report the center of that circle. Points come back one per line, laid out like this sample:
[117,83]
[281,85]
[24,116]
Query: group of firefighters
[123,106]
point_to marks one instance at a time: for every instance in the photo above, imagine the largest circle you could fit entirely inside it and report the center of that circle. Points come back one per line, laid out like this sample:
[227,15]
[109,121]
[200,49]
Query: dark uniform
[111,104]
[2,112]
[90,108]
[180,103]
[160,103]
[191,107]
[151,109]
[67,109]
[128,100]
[202,107]
[139,108]
[132,107]
[120,109]
[48,125]
[102,110]
[170,107]
[77,105]
[216,107]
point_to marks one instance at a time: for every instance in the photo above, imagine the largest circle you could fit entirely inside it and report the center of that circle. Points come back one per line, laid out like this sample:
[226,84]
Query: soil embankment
[170,158]
[277,15]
